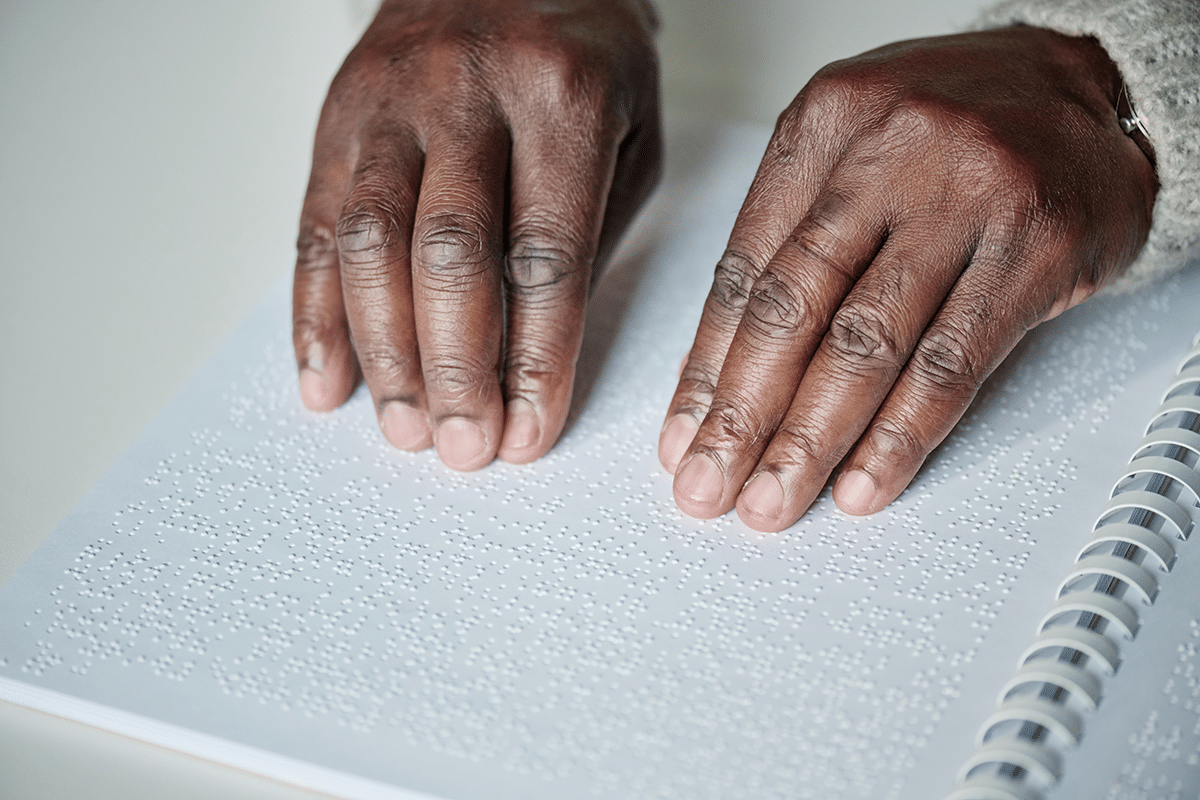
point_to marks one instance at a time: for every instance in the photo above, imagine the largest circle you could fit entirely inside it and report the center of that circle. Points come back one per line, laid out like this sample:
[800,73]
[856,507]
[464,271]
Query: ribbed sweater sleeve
[1156,46]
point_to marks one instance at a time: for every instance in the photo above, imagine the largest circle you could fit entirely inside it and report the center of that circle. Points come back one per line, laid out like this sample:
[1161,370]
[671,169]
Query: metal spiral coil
[1059,677]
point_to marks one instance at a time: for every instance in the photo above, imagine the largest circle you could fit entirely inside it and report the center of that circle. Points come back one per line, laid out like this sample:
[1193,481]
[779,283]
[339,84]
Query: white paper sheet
[285,592]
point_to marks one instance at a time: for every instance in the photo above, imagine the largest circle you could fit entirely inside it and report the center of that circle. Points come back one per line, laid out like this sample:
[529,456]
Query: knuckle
[823,241]
[945,362]
[792,140]
[366,232]
[800,445]
[538,261]
[922,117]
[532,367]
[385,367]
[835,92]
[698,386]
[451,244]
[894,443]
[732,281]
[729,426]
[910,125]
[775,309]
[826,93]
[357,74]
[860,338]
[455,380]
[316,248]
[453,56]
[564,78]
[573,77]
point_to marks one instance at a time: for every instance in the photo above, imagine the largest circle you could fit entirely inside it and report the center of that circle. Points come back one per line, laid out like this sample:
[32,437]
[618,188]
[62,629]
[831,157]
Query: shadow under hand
[690,147]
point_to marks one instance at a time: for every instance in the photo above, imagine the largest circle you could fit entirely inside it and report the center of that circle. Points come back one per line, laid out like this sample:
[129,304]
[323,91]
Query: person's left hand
[919,208]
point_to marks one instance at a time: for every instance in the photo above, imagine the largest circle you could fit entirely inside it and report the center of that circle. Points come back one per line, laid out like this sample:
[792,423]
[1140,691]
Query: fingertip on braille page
[854,492]
[676,438]
[522,433]
[404,426]
[761,503]
[315,392]
[461,444]
[699,487]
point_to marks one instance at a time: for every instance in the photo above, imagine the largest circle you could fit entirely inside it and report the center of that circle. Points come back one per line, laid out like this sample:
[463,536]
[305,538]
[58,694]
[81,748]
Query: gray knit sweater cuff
[1156,45]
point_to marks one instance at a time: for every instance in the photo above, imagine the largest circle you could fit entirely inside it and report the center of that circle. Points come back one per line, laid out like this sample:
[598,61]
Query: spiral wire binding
[1041,709]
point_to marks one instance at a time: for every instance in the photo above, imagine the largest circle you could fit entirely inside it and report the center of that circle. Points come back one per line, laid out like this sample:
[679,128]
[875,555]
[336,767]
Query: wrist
[1087,56]
[1132,125]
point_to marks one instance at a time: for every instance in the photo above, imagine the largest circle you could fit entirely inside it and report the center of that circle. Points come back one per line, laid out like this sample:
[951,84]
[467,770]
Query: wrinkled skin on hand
[919,208]
[475,162]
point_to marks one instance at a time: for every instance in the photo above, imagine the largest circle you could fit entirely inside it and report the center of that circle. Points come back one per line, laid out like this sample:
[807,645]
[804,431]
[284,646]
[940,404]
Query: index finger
[779,197]
[320,333]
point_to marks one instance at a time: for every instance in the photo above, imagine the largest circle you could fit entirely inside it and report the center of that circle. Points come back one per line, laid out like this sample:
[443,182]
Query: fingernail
[855,492]
[676,438]
[522,429]
[314,391]
[314,388]
[701,481]
[763,497]
[460,443]
[314,357]
[404,426]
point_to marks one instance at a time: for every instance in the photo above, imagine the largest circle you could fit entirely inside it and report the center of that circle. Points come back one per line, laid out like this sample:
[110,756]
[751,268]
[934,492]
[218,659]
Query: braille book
[285,593]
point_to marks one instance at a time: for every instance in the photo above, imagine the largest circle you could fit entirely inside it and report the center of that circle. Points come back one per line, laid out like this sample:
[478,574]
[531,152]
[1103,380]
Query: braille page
[284,592]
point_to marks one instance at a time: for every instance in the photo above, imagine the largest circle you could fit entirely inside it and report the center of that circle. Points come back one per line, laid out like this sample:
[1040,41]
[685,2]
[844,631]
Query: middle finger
[457,258]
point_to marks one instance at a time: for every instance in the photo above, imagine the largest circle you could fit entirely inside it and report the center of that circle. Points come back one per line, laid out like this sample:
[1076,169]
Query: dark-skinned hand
[475,162]
[919,208]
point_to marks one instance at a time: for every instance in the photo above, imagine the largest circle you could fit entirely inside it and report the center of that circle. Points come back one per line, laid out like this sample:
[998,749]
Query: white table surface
[152,160]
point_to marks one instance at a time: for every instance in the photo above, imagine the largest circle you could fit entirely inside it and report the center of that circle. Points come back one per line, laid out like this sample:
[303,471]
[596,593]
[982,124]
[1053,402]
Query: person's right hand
[475,162]
[919,208]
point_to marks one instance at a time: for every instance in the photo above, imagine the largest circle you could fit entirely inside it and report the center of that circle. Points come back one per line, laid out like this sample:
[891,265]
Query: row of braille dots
[703,714]
[787,723]
[979,516]
[264,392]
[564,591]
[1155,742]
[1082,365]
[105,580]
[270,465]
[921,563]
